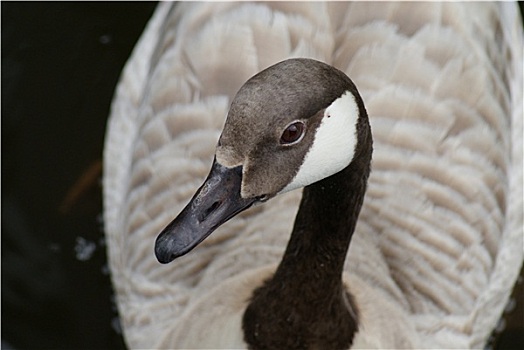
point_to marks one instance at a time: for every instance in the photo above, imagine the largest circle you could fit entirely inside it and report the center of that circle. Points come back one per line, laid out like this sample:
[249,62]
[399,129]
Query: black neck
[305,304]
[323,228]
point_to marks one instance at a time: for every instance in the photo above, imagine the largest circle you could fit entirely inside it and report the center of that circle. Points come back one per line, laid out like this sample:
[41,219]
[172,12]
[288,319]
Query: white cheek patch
[334,144]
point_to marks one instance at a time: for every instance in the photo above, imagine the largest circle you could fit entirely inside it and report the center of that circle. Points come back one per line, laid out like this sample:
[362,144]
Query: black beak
[215,202]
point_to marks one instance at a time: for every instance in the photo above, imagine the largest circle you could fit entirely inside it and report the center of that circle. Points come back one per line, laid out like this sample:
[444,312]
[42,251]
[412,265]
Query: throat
[305,304]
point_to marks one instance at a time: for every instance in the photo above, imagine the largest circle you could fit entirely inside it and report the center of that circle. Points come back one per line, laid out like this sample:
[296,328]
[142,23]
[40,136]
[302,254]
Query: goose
[297,123]
[438,242]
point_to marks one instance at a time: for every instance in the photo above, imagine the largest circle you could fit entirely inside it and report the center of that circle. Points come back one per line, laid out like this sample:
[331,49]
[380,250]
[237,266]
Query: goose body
[438,243]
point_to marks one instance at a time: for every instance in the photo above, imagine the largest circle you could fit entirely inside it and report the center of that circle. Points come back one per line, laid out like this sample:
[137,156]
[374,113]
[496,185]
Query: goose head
[289,126]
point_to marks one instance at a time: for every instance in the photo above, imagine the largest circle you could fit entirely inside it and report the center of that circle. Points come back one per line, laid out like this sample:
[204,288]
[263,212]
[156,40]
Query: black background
[60,65]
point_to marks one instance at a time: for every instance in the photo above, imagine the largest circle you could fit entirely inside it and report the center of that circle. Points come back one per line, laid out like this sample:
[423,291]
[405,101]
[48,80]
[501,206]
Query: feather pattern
[440,233]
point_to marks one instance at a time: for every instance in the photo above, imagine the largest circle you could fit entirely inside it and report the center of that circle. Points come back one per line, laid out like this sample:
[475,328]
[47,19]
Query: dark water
[60,65]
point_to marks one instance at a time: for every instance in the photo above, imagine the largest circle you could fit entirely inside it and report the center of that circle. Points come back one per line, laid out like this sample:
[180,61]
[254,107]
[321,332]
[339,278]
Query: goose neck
[305,304]
[323,228]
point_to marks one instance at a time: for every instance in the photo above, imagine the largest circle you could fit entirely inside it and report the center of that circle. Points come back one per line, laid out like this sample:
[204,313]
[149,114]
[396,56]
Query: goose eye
[293,133]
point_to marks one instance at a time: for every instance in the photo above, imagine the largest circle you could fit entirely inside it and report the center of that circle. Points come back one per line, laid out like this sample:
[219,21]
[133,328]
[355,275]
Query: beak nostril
[209,211]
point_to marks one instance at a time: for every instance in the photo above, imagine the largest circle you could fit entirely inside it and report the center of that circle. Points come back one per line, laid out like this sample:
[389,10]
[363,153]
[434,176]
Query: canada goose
[297,123]
[438,243]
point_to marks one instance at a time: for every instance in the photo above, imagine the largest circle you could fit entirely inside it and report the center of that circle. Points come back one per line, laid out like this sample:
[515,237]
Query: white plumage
[439,238]
[333,148]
